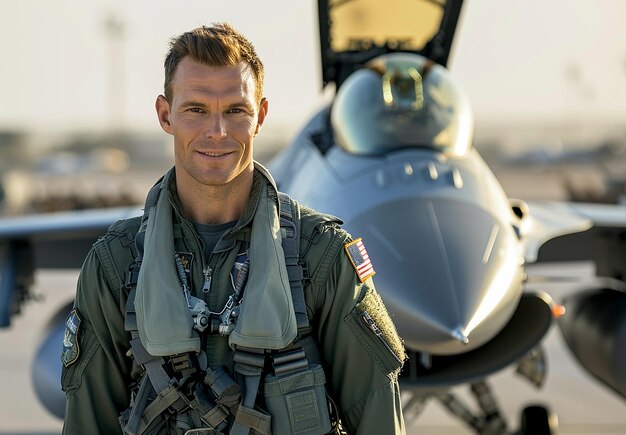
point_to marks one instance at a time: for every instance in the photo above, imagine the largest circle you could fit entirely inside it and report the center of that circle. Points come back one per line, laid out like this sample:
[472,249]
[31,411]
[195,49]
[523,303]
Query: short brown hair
[218,45]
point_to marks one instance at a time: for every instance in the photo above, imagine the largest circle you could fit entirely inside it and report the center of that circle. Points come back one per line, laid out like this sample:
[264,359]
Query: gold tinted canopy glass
[402,24]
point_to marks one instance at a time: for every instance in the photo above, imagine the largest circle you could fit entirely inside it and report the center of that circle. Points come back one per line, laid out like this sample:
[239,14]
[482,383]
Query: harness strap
[151,201]
[169,397]
[290,223]
[138,404]
[168,394]
[227,391]
[249,365]
[249,418]
[212,414]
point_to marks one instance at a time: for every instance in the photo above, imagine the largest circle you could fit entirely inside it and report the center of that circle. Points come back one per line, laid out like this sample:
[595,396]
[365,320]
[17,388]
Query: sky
[537,60]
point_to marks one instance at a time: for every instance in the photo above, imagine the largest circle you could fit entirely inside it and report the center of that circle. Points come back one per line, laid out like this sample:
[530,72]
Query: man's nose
[216,127]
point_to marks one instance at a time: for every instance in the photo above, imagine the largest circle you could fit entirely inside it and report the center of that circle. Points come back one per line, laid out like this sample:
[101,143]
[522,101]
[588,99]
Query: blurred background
[78,81]
[547,81]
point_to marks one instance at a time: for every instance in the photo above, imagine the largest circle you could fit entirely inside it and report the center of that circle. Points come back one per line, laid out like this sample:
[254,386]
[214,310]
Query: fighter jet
[392,155]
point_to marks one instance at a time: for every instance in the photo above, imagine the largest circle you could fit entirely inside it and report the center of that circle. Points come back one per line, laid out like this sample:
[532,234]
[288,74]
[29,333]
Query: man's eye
[235,110]
[196,110]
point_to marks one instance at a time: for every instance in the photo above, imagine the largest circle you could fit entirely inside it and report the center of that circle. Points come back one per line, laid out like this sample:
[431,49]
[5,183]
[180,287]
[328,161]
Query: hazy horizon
[536,62]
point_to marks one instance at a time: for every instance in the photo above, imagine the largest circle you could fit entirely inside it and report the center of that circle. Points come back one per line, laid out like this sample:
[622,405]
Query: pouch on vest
[297,402]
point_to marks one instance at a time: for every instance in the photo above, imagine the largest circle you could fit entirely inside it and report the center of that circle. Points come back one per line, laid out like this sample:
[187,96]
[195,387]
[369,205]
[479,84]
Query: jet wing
[354,31]
[558,231]
[61,240]
[56,240]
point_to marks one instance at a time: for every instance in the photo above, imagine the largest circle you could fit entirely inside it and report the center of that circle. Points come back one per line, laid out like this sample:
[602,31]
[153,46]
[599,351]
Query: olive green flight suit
[361,367]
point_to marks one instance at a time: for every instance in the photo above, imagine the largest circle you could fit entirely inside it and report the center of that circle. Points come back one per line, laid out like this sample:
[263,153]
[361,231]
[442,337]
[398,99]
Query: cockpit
[398,101]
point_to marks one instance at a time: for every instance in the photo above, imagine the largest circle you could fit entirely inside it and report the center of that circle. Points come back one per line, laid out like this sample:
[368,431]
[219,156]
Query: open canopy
[354,31]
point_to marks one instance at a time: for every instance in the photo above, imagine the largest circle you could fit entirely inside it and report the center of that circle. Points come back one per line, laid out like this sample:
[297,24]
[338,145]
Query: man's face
[213,117]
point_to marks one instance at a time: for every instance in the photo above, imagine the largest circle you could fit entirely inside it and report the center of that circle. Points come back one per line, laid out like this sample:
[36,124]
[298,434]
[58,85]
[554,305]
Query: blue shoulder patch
[71,349]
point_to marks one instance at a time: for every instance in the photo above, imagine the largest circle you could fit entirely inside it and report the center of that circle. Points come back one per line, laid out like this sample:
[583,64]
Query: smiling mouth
[208,154]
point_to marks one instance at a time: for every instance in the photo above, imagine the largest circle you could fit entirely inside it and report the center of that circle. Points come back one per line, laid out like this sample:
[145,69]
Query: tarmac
[583,405]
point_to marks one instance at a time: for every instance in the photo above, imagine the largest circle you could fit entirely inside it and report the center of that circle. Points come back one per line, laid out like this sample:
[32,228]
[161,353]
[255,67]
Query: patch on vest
[303,411]
[360,259]
[71,349]
[239,272]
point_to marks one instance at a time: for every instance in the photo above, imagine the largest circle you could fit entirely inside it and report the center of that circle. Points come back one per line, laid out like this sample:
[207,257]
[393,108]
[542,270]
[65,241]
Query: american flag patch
[360,260]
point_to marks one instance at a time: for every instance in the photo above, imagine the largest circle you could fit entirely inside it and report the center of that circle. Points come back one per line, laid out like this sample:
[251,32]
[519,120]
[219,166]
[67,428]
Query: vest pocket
[374,329]
[373,341]
[297,402]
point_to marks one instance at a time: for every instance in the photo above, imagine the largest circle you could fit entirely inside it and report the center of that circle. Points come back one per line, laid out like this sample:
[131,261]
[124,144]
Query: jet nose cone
[459,334]
[449,272]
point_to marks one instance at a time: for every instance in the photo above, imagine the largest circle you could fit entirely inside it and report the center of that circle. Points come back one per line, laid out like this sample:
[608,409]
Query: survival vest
[202,400]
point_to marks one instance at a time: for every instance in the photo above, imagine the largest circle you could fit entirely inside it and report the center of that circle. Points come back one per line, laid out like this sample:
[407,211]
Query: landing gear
[489,421]
[481,414]
[537,420]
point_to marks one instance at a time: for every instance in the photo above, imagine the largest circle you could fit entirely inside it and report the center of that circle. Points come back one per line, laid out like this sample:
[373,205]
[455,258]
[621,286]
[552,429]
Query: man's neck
[214,204]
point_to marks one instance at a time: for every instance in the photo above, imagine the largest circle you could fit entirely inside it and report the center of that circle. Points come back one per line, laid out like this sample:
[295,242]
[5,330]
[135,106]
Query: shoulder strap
[133,271]
[114,252]
[151,200]
[290,224]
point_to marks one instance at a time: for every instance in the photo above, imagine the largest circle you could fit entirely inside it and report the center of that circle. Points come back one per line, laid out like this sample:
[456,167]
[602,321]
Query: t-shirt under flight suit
[361,367]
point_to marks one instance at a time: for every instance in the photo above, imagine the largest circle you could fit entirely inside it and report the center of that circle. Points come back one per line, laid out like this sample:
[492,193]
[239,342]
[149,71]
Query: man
[186,318]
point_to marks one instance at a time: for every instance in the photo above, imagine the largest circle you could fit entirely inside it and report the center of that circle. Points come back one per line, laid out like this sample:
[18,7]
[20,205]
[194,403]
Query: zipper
[372,326]
[207,272]
[206,269]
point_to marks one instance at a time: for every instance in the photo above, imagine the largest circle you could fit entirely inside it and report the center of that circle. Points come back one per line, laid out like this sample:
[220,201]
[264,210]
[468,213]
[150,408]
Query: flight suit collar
[241,231]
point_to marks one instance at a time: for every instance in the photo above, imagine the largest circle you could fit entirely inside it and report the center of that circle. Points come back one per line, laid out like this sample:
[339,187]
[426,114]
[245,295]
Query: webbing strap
[151,201]
[214,417]
[153,364]
[249,418]
[155,378]
[249,365]
[211,413]
[290,223]
[170,397]
[130,315]
[137,406]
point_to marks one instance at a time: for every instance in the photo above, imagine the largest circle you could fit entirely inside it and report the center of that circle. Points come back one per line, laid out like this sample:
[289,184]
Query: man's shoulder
[128,226]
[321,241]
[120,236]
[316,225]
[115,250]
[122,231]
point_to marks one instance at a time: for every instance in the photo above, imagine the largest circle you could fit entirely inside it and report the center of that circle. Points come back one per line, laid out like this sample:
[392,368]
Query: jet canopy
[398,101]
[352,32]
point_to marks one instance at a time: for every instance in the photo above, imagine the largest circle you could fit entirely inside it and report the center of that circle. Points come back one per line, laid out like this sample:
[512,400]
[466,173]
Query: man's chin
[215,179]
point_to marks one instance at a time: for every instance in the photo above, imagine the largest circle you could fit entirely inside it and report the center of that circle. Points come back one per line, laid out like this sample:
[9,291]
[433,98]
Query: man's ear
[262,114]
[163,113]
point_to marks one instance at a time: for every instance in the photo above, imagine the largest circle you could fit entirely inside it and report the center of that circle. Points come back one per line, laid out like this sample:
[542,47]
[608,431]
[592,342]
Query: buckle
[133,275]
[289,361]
[306,278]
[181,362]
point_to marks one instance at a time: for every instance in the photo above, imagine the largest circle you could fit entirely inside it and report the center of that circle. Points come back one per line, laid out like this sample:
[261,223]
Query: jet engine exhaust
[594,328]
